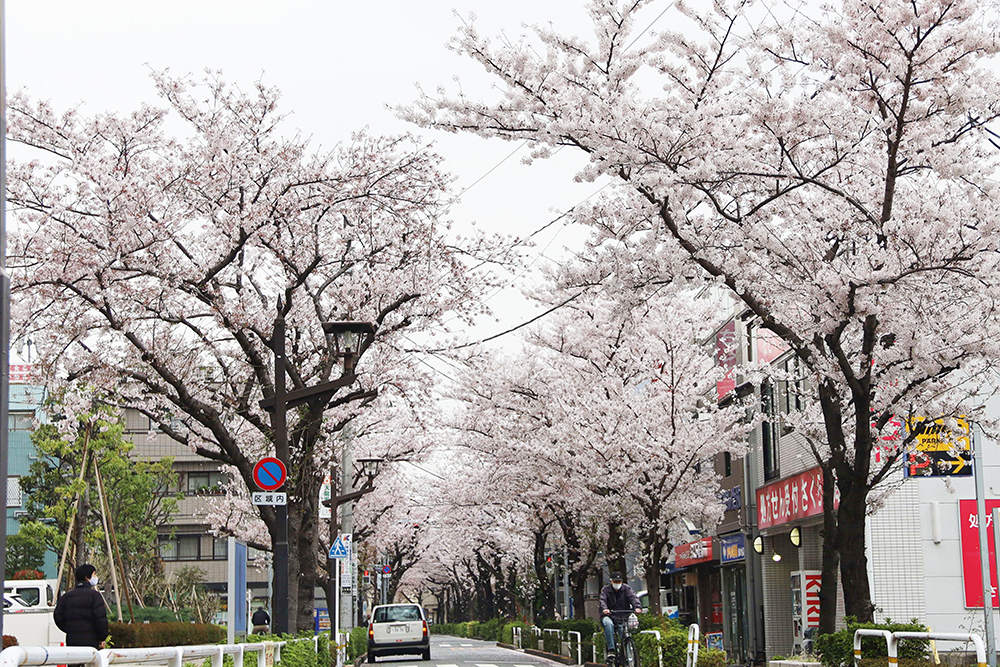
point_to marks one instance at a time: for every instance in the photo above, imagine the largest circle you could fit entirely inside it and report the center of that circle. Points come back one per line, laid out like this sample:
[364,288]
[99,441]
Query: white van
[36,593]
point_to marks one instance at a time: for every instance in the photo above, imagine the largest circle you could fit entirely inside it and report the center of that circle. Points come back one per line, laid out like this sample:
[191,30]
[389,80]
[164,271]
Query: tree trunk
[80,530]
[615,549]
[831,557]
[652,563]
[853,559]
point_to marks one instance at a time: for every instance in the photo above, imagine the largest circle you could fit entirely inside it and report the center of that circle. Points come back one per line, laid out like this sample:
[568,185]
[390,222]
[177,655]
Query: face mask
[617,587]
[93,581]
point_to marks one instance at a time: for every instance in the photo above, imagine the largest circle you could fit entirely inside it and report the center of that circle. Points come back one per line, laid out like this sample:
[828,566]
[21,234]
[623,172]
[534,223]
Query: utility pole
[984,554]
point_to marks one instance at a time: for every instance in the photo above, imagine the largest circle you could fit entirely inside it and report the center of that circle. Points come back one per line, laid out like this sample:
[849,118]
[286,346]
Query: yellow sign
[935,436]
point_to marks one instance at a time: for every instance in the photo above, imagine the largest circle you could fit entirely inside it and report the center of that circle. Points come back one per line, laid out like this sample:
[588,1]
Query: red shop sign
[699,551]
[971,568]
[794,498]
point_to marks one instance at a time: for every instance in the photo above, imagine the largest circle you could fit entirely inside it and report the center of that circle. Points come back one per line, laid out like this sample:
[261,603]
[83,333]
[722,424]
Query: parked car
[398,629]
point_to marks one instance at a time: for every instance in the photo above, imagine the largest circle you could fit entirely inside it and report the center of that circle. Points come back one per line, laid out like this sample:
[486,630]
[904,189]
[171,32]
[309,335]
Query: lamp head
[346,332]
[795,537]
[369,466]
[758,544]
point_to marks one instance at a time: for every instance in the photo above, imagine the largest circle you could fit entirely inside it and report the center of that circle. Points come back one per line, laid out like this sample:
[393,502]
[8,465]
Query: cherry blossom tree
[829,165]
[153,268]
[603,416]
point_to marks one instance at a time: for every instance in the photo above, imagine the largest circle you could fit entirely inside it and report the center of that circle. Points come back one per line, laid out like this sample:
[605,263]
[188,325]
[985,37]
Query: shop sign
[699,551]
[725,357]
[20,373]
[791,499]
[732,548]
[971,568]
[732,498]
[936,452]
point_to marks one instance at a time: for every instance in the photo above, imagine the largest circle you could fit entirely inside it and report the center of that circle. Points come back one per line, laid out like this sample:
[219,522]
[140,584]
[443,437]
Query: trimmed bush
[357,643]
[837,649]
[300,653]
[143,635]
[507,631]
[712,657]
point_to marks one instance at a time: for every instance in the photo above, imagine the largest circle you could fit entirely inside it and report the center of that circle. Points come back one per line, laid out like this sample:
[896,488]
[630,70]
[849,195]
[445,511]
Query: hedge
[142,635]
[837,649]
[357,642]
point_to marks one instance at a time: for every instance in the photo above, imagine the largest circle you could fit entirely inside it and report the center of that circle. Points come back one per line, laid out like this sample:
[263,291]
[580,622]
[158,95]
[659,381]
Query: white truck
[33,626]
[27,613]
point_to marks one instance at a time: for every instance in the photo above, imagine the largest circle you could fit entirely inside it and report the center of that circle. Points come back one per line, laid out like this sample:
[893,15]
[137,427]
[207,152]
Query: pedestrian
[81,612]
[261,621]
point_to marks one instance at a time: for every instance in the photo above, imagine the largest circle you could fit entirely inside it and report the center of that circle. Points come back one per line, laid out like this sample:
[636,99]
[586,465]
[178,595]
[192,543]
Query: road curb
[550,656]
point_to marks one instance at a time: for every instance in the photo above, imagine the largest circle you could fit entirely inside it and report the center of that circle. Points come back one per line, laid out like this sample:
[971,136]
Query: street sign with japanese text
[939,452]
[268,498]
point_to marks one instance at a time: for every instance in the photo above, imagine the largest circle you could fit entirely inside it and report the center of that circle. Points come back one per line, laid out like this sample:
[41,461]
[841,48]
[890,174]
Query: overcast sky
[338,65]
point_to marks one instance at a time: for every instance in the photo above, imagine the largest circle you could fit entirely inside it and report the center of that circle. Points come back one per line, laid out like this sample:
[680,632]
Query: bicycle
[626,654]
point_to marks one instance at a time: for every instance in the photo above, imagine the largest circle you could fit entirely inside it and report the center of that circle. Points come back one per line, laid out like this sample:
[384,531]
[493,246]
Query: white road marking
[445,645]
[440,665]
[470,646]
[480,664]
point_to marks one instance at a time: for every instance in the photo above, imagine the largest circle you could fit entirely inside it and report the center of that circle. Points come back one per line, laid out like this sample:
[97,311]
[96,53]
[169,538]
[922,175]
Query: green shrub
[837,649]
[357,643]
[453,629]
[298,653]
[142,635]
[711,657]
[507,632]
[323,656]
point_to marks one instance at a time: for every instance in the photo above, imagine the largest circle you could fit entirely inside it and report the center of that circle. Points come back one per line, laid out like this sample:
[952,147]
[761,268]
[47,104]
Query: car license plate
[397,629]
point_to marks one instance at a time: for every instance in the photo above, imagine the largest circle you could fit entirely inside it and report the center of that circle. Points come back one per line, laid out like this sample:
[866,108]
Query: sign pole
[280,560]
[984,553]
[335,616]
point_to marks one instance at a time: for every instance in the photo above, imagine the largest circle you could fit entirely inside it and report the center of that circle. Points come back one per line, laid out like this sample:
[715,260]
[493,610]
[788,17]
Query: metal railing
[172,656]
[579,645]
[892,642]
[694,638]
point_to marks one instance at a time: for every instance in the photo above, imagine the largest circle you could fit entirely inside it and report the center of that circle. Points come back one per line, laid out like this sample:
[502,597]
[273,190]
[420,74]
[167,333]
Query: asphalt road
[449,651]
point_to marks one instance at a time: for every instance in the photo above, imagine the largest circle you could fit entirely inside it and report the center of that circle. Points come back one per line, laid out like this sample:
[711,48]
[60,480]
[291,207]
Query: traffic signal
[367,577]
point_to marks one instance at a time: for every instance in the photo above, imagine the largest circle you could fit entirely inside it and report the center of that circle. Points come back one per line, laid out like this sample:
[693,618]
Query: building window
[14,494]
[727,464]
[21,421]
[792,389]
[769,431]
[220,548]
[180,547]
[208,482]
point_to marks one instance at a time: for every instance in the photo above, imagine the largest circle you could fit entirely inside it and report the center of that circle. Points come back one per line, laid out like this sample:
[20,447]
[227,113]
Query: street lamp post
[278,404]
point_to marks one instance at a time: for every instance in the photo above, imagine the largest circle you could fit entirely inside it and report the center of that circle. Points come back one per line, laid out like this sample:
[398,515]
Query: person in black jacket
[261,621]
[616,596]
[81,612]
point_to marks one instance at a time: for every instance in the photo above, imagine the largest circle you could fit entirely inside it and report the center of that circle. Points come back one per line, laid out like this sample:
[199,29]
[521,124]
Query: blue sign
[733,547]
[732,498]
[339,549]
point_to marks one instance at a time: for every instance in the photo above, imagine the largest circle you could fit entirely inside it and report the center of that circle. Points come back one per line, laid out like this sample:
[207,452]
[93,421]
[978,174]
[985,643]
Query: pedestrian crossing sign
[340,549]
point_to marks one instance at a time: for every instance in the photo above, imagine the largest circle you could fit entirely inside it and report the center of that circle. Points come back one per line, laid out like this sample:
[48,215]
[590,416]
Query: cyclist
[616,596]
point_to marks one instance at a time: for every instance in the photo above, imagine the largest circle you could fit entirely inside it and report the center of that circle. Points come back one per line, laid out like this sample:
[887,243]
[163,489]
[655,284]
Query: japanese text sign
[971,567]
[699,551]
[793,498]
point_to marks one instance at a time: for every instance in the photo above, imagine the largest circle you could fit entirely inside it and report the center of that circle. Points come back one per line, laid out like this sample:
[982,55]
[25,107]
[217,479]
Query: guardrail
[892,642]
[172,656]
[579,645]
[694,637]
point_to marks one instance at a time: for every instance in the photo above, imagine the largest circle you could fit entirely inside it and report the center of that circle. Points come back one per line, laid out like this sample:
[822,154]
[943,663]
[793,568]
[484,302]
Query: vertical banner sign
[813,583]
[971,567]
[725,357]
